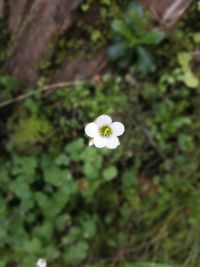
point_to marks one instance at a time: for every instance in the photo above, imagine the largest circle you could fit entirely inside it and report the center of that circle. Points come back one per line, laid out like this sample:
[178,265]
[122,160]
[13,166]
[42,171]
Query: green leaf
[150,38]
[53,252]
[121,28]
[2,263]
[44,230]
[75,148]
[135,8]
[77,252]
[136,18]
[117,51]
[8,82]
[28,260]
[89,228]
[62,160]
[184,59]
[62,221]
[106,2]
[42,200]
[196,37]
[145,61]
[96,35]
[85,6]
[191,80]
[24,165]
[110,173]
[92,163]
[56,176]
[33,246]
[21,188]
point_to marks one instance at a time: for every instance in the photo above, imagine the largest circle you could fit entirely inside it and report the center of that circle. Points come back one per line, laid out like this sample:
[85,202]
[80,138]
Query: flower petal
[112,142]
[117,128]
[103,120]
[100,141]
[41,263]
[91,129]
[91,142]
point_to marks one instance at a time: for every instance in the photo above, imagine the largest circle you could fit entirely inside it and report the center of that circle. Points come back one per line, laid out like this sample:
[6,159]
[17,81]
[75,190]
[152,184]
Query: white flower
[41,263]
[104,133]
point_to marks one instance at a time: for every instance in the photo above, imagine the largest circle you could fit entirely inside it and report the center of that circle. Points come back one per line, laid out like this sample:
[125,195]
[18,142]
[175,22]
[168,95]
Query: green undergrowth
[75,205]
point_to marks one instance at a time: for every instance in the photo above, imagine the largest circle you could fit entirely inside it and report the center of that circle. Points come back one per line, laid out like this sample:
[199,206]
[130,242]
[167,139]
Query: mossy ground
[80,206]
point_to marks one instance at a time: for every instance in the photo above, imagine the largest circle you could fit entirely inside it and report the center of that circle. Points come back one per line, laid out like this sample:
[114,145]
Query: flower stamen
[105,131]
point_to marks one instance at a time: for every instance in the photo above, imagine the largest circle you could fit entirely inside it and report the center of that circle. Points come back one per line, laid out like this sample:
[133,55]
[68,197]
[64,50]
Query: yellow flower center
[105,131]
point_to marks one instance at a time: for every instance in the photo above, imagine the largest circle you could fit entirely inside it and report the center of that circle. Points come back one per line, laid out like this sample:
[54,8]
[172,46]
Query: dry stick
[174,8]
[42,90]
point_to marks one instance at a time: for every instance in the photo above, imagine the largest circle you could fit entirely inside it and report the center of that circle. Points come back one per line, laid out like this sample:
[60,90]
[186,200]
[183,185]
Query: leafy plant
[189,78]
[134,40]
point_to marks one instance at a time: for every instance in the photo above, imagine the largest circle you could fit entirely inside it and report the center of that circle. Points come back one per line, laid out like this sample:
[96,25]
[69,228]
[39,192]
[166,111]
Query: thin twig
[46,88]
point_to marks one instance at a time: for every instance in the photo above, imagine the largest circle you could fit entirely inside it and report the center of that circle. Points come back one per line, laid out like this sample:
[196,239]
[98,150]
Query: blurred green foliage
[136,206]
[132,37]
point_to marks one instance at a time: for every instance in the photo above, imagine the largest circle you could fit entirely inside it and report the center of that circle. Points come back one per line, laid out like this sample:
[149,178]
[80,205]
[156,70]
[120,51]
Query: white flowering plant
[104,132]
[41,262]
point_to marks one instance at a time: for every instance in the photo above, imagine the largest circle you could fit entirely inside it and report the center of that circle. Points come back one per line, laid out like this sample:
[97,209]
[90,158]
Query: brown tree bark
[81,68]
[46,20]
[19,9]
